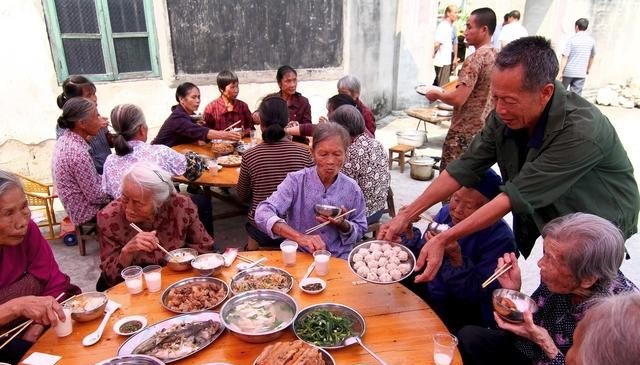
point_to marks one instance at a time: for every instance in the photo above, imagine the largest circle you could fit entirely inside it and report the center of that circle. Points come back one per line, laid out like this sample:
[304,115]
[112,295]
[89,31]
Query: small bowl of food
[127,326]
[312,285]
[180,259]
[88,306]
[259,316]
[208,263]
[326,210]
[511,305]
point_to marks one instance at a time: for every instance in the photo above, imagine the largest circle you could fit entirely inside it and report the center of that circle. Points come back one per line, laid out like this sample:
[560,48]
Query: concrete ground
[230,232]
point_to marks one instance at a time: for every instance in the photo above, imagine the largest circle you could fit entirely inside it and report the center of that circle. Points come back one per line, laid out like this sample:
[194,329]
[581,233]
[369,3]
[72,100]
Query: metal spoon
[356,339]
[94,337]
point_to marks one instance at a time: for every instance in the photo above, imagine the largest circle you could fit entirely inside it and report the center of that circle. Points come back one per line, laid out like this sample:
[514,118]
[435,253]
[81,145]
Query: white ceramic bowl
[123,320]
[309,281]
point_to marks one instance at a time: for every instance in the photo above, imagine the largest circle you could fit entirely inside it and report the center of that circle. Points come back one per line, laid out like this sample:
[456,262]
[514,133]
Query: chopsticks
[248,260]
[231,126]
[497,274]
[19,328]
[135,226]
[313,229]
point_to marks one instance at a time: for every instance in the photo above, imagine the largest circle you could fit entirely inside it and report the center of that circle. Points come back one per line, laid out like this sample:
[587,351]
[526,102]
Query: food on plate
[229,160]
[195,296]
[259,315]
[178,340]
[381,262]
[221,148]
[85,304]
[312,287]
[290,353]
[130,326]
[322,327]
[261,281]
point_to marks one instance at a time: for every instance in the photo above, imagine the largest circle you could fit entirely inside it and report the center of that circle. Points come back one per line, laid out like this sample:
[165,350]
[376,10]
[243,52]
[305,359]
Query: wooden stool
[403,151]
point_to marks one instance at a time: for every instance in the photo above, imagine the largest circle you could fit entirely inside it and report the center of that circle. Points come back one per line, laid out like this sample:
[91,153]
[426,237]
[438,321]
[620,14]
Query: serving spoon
[94,337]
[356,339]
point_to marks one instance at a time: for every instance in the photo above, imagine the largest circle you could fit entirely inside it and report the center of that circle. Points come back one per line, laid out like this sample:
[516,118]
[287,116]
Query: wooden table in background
[399,324]
[227,177]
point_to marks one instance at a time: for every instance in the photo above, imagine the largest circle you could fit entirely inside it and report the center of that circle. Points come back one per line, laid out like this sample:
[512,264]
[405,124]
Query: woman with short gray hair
[366,161]
[582,254]
[150,201]
[608,333]
[350,85]
[289,211]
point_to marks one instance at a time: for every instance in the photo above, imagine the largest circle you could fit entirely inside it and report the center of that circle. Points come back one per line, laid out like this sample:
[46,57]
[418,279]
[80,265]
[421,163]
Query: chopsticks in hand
[501,270]
[139,230]
[313,229]
[21,327]
[231,126]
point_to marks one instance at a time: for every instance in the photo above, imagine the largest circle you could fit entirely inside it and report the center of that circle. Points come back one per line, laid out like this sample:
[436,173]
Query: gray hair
[151,177]
[597,246]
[324,131]
[611,324]
[536,57]
[126,119]
[75,110]
[350,82]
[350,118]
[9,181]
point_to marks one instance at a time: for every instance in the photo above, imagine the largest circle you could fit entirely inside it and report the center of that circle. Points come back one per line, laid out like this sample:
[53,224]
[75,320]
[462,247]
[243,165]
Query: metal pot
[412,138]
[422,167]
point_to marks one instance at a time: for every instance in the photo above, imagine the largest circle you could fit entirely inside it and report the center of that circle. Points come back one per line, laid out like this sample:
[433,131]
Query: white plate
[422,89]
[123,320]
[308,281]
[411,260]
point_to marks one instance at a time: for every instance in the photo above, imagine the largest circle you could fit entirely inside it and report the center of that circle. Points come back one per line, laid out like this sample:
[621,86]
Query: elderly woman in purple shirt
[289,210]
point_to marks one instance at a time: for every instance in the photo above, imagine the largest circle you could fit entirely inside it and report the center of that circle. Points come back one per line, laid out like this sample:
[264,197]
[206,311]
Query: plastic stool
[403,151]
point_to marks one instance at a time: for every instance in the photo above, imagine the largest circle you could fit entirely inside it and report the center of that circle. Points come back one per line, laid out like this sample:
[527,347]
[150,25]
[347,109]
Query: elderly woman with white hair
[582,254]
[350,85]
[150,201]
[366,161]
[608,333]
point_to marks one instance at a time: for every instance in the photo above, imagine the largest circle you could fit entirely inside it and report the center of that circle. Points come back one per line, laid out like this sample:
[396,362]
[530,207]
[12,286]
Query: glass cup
[152,277]
[444,344]
[289,251]
[132,276]
[321,258]
[252,137]
[64,328]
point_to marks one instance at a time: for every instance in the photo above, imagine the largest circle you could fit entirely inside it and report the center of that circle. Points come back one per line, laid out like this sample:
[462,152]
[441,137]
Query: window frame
[106,37]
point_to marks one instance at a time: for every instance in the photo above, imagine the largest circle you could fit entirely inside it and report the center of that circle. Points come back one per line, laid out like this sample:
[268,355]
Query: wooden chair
[41,195]
[83,232]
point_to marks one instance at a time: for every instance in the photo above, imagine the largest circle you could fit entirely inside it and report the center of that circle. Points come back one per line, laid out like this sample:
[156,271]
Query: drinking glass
[444,344]
[132,276]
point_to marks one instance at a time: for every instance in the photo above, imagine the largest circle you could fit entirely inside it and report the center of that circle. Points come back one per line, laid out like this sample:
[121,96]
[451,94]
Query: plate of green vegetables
[327,325]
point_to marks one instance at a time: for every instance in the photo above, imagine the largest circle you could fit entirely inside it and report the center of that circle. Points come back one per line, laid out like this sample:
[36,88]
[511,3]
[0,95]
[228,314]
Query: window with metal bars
[102,39]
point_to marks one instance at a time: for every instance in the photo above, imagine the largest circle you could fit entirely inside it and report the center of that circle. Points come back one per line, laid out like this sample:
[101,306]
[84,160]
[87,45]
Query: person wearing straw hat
[149,200]
[582,254]
[30,278]
[456,293]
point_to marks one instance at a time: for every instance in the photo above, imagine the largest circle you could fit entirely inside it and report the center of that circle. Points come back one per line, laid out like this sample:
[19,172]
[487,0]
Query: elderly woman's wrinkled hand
[390,231]
[430,256]
[512,279]
[532,332]
[42,310]
[233,136]
[143,241]
[312,243]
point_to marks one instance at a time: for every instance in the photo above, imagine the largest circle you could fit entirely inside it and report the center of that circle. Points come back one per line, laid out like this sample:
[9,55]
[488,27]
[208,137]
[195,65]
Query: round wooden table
[399,324]
[227,177]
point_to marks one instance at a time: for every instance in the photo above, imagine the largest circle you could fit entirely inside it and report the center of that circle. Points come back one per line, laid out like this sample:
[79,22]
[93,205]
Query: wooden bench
[402,152]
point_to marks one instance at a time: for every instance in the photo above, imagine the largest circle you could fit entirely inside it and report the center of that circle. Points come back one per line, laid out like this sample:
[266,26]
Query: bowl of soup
[259,316]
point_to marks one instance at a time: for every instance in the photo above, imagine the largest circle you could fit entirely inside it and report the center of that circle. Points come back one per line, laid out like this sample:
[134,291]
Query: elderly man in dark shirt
[557,154]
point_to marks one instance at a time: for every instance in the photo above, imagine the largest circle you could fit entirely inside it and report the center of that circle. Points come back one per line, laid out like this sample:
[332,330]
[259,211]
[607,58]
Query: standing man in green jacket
[557,154]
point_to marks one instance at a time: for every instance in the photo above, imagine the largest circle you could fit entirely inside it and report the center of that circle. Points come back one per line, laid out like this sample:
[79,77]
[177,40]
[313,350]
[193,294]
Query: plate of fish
[194,295]
[266,277]
[381,262]
[175,338]
[131,359]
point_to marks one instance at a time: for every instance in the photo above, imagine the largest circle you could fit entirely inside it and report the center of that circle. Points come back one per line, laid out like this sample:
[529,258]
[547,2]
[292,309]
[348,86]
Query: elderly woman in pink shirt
[30,278]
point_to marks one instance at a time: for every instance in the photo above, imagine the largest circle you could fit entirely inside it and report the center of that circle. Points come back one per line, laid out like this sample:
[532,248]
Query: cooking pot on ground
[422,167]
